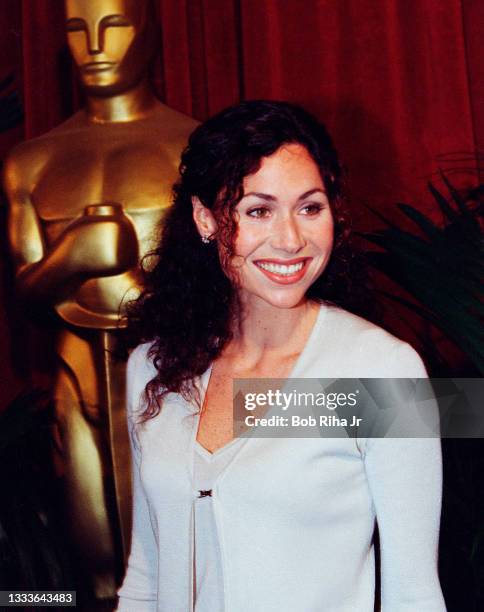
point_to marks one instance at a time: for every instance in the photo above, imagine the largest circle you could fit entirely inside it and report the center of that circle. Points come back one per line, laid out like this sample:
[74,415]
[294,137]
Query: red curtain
[398,82]
[395,80]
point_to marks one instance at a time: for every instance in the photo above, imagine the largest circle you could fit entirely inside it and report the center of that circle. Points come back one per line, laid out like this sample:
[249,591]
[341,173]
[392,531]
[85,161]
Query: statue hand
[102,242]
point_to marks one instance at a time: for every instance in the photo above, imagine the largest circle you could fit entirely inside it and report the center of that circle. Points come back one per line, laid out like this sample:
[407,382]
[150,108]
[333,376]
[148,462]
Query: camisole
[207,575]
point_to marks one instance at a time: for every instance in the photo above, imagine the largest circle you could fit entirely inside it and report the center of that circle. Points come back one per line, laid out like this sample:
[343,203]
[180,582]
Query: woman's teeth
[280,268]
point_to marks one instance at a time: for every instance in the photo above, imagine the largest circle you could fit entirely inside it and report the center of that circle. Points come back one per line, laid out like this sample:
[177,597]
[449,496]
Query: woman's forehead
[290,165]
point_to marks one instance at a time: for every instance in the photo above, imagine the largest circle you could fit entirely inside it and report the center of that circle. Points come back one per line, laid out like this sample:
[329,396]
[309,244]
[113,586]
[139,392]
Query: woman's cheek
[251,234]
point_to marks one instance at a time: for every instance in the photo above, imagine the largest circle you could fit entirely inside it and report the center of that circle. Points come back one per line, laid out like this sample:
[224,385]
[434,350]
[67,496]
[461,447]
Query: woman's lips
[283,272]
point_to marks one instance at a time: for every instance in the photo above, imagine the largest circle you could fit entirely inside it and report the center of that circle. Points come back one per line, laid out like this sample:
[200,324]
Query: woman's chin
[283,299]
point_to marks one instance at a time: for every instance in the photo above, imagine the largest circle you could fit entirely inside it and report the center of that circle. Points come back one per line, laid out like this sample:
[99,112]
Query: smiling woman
[285,229]
[252,279]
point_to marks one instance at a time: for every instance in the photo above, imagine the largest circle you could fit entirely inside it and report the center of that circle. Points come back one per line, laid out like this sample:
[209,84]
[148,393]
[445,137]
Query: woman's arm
[405,480]
[139,590]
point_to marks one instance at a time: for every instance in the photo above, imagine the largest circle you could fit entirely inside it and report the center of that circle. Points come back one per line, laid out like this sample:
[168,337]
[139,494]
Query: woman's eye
[258,213]
[312,209]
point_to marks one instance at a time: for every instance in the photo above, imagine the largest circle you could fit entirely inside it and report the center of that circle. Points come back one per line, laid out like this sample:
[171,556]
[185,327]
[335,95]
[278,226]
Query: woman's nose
[287,236]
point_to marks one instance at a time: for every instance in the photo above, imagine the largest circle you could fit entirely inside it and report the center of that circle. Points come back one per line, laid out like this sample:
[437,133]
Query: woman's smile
[284,272]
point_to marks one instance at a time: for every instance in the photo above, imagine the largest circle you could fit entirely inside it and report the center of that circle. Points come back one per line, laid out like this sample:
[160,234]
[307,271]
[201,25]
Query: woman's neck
[265,330]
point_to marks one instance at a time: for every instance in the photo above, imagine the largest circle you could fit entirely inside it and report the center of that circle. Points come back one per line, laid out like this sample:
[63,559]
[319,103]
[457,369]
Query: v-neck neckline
[220,451]
[298,366]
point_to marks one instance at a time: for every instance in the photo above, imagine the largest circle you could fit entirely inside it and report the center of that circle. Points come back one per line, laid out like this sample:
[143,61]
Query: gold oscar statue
[83,202]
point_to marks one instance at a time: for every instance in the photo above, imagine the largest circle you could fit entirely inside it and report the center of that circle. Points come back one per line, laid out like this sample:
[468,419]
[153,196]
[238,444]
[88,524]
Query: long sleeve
[139,590]
[405,480]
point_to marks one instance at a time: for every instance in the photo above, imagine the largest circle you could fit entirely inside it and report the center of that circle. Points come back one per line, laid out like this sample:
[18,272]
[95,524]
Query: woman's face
[285,229]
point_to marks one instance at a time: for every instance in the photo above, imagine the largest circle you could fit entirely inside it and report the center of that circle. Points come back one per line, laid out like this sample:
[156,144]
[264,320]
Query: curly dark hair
[188,306]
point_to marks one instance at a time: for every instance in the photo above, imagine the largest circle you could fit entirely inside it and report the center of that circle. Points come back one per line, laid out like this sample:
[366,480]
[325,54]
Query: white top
[295,516]
[208,576]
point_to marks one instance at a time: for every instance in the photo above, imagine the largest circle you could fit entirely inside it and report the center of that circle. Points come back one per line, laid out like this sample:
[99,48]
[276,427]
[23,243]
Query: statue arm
[89,247]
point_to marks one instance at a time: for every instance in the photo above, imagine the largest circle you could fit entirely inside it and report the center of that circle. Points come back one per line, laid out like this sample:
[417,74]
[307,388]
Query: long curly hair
[188,307]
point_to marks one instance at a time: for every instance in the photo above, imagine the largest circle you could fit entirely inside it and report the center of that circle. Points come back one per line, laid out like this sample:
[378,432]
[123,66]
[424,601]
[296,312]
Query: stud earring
[206,239]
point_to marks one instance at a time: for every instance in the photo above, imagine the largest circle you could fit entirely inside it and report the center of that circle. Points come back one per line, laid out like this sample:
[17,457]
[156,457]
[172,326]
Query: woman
[249,281]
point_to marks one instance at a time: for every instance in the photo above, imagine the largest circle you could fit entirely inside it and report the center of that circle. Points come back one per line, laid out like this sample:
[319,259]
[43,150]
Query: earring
[206,239]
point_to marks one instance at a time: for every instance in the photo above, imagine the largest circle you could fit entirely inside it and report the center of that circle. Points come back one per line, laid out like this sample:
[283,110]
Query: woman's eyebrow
[271,198]
[257,194]
[306,194]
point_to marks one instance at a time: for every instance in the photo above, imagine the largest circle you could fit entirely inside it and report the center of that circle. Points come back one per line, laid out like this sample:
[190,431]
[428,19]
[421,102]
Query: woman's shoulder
[347,323]
[139,361]
[139,371]
[361,346]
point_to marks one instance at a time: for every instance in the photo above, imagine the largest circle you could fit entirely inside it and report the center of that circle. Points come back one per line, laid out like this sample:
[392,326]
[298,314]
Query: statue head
[112,42]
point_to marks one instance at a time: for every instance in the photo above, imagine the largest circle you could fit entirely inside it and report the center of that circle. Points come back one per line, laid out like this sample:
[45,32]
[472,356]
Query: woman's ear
[204,219]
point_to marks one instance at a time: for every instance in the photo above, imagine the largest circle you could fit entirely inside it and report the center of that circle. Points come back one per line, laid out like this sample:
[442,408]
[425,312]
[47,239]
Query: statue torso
[133,164]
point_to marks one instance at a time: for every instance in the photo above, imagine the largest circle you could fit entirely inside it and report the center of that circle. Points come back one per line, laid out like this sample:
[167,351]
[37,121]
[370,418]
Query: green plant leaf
[425,224]
[447,210]
[442,269]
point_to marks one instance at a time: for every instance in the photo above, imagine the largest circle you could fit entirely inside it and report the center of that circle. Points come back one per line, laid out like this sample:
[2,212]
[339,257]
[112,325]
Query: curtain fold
[472,19]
